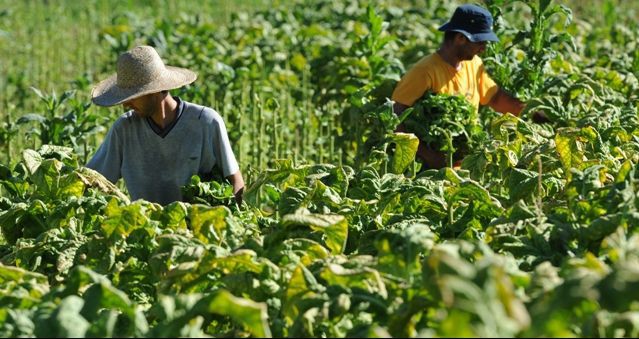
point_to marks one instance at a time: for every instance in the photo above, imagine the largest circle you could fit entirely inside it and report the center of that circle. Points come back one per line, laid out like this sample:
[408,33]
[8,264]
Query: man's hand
[238,196]
[238,186]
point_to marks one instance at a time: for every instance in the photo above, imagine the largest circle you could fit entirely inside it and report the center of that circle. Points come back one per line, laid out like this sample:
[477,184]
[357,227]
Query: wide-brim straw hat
[140,71]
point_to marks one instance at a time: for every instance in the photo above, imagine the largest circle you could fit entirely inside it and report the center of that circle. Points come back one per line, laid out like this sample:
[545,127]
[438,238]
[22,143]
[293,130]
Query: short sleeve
[222,148]
[108,158]
[412,86]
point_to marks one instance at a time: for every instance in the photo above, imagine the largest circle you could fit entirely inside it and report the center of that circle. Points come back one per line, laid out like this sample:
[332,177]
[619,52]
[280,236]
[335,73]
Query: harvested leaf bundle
[448,123]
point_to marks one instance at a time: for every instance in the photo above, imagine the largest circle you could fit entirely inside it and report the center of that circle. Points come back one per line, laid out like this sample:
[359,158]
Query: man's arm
[503,102]
[398,109]
[237,181]
[107,160]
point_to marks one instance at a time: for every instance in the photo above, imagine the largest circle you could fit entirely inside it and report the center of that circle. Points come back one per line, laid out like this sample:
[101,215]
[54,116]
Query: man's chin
[471,57]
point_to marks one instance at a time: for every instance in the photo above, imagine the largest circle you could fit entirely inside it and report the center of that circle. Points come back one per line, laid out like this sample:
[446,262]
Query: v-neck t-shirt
[155,166]
[164,131]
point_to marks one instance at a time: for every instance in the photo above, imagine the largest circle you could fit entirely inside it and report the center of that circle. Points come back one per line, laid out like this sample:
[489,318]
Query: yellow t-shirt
[435,74]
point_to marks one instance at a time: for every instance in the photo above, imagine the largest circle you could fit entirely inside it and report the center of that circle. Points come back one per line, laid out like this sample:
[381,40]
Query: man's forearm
[398,109]
[503,102]
[433,159]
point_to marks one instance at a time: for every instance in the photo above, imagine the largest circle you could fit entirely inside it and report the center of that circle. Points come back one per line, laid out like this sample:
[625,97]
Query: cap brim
[478,37]
[445,27]
[108,93]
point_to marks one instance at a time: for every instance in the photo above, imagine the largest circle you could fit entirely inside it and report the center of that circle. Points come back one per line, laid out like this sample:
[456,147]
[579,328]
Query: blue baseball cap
[473,21]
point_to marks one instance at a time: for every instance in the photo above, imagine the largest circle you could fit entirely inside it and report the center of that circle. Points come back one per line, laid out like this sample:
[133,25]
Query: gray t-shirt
[154,167]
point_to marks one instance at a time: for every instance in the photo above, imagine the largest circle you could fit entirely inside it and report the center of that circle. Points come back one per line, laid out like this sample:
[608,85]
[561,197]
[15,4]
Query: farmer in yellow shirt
[456,69]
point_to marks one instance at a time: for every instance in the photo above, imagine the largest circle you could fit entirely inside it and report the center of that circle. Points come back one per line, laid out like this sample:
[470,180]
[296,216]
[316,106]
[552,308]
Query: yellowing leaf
[209,223]
[334,227]
[405,150]
[298,61]
[252,315]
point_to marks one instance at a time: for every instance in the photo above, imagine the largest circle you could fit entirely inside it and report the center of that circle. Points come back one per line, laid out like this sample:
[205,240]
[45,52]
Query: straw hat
[140,72]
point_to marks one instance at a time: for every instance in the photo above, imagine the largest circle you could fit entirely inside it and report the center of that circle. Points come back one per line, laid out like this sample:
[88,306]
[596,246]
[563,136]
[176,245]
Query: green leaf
[29,117]
[405,150]
[39,93]
[399,250]
[104,296]
[298,61]
[209,224]
[11,222]
[15,275]
[21,288]
[53,180]
[291,199]
[173,250]
[470,190]
[238,261]
[123,220]
[334,227]
[284,174]
[82,276]
[570,153]
[65,321]
[449,174]
[32,160]
[365,278]
[298,289]
[46,177]
[623,172]
[174,215]
[70,185]
[604,226]
[311,250]
[522,184]
[244,311]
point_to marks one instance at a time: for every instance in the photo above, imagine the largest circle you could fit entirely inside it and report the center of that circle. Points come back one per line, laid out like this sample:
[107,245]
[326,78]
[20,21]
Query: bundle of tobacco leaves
[448,123]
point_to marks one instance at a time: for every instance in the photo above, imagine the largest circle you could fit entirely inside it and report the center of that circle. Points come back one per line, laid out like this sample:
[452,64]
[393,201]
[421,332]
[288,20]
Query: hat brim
[108,93]
[480,37]
[477,37]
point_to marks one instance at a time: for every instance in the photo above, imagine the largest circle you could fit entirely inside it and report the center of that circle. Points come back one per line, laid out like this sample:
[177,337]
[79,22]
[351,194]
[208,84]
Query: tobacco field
[341,232]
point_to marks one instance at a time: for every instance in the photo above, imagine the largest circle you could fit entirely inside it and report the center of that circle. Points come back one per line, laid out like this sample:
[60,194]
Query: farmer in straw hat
[162,140]
[456,68]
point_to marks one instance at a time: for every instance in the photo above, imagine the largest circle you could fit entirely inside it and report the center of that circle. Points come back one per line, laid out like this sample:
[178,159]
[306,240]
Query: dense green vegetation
[341,233]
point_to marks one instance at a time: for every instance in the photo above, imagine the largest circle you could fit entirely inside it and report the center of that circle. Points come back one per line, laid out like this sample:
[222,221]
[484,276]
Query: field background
[52,43]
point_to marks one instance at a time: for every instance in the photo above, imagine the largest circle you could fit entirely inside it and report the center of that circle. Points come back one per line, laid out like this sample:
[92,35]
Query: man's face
[466,49]
[144,106]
